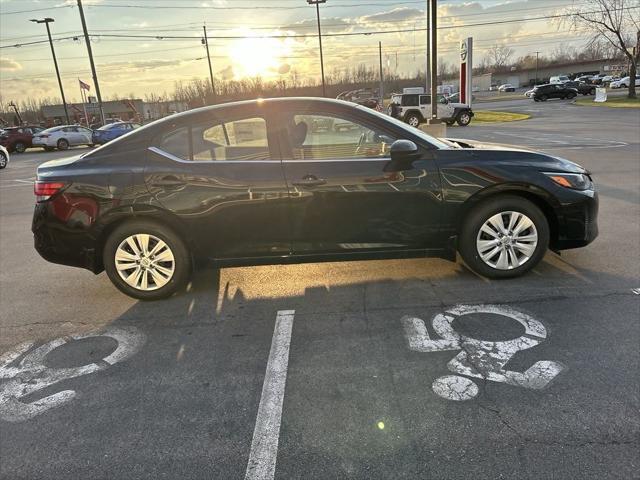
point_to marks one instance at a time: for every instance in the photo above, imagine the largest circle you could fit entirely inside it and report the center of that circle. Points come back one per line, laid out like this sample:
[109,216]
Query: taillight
[45,190]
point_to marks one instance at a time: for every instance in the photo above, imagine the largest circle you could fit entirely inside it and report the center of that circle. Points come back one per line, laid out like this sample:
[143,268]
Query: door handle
[168,182]
[309,181]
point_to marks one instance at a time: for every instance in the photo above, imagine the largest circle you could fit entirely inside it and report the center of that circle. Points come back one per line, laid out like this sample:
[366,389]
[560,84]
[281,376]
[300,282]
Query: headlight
[576,181]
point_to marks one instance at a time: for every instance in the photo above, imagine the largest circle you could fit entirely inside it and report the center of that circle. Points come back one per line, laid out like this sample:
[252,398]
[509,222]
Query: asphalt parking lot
[97,385]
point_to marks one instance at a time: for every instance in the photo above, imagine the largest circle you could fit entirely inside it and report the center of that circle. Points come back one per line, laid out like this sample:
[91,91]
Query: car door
[220,174]
[345,197]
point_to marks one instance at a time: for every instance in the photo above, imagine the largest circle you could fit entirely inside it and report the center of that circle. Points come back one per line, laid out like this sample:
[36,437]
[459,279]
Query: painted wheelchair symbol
[31,375]
[480,358]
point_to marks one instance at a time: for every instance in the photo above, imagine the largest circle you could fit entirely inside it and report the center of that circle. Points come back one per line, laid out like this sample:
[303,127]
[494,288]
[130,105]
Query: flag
[84,86]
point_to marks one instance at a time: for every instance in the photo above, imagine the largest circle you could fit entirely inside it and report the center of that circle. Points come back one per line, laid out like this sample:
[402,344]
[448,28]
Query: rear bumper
[61,243]
[577,221]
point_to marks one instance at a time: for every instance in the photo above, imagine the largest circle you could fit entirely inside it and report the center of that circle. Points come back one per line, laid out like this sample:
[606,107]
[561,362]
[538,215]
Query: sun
[255,56]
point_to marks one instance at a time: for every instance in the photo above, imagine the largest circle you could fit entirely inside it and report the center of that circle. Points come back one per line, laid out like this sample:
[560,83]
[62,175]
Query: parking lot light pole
[317,4]
[46,22]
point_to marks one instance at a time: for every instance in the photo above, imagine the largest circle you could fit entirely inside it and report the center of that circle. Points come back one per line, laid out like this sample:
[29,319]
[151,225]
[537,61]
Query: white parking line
[264,445]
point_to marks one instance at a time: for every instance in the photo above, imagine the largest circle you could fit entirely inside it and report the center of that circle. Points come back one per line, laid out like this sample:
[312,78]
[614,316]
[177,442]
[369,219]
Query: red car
[18,139]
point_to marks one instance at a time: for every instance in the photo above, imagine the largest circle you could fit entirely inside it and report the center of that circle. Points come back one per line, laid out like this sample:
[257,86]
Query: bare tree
[499,56]
[614,21]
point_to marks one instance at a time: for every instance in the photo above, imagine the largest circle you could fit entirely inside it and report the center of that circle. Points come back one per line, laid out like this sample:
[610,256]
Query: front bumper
[577,221]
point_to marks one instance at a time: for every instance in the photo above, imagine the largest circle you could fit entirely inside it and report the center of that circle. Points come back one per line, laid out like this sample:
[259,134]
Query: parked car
[507,87]
[624,82]
[582,87]
[584,78]
[597,79]
[246,182]
[559,79]
[18,139]
[112,130]
[493,88]
[4,157]
[607,79]
[63,137]
[542,93]
[415,108]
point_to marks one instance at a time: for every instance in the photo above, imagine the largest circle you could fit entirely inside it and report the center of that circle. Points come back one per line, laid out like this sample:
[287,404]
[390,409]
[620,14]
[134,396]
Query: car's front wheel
[504,237]
[63,144]
[3,160]
[146,260]
[20,147]
[543,98]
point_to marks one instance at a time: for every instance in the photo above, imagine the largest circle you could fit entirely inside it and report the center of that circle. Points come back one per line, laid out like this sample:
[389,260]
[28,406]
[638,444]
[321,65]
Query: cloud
[226,73]
[401,14]
[9,65]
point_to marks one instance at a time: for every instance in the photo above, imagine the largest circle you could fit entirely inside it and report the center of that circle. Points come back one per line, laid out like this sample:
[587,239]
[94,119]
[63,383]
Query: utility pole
[537,56]
[427,71]
[46,22]
[433,44]
[381,75]
[205,40]
[317,4]
[87,40]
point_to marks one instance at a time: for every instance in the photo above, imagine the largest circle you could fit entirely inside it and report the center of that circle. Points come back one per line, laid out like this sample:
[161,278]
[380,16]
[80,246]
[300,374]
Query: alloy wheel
[507,240]
[414,121]
[145,262]
[3,160]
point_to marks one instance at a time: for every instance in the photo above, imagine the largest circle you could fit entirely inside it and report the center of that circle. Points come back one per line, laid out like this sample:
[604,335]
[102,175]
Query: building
[116,109]
[527,77]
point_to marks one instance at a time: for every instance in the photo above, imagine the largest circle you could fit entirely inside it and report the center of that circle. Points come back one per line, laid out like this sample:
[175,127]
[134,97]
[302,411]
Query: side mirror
[403,154]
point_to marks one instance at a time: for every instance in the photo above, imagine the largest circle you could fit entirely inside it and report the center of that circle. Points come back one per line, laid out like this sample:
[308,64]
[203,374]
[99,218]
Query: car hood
[519,155]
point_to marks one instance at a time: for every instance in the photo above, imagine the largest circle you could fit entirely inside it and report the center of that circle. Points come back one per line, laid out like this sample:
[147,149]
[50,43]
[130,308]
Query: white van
[559,79]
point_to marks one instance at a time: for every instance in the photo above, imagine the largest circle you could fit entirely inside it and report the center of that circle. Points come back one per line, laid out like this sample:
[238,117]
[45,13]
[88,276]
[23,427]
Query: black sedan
[542,93]
[252,182]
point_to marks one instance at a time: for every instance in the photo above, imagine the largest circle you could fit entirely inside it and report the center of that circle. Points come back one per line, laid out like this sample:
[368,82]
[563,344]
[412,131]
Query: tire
[463,119]
[19,147]
[412,119]
[178,262]
[471,235]
[63,144]
[3,160]
[543,98]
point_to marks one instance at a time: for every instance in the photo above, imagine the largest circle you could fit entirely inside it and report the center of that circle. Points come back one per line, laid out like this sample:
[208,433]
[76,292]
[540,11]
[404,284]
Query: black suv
[553,90]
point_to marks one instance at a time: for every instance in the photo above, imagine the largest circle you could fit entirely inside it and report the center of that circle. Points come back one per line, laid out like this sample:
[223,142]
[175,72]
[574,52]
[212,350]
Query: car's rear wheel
[413,120]
[63,144]
[146,260]
[543,98]
[464,119]
[19,147]
[504,237]
[3,160]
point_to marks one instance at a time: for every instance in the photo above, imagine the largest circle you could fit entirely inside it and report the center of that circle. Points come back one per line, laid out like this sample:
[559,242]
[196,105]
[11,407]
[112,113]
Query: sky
[153,64]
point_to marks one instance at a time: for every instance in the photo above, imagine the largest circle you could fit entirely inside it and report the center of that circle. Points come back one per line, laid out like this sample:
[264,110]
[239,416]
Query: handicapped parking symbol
[31,375]
[480,358]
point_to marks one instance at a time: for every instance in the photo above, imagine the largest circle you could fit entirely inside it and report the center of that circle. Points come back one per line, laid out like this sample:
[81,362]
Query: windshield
[111,126]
